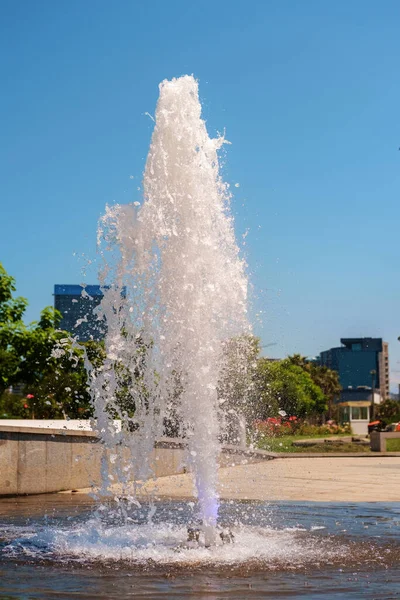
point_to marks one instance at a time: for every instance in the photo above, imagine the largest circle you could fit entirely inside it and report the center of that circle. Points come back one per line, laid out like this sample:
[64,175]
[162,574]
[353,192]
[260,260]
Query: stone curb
[334,454]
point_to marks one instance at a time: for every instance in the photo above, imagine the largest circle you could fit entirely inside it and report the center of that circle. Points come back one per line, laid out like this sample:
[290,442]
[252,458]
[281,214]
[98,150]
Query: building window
[356,347]
[346,414]
[359,413]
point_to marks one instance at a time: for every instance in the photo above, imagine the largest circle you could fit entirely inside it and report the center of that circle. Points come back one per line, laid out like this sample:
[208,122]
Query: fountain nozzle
[193,534]
[227,536]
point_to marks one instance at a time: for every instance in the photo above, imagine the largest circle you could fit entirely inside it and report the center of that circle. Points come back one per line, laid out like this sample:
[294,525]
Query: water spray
[185,293]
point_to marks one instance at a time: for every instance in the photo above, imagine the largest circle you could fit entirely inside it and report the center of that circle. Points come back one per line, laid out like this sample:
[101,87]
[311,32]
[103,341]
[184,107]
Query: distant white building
[356,409]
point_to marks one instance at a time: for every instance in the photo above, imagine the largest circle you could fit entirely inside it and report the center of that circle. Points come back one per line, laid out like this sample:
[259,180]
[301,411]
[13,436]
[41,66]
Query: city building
[77,305]
[362,364]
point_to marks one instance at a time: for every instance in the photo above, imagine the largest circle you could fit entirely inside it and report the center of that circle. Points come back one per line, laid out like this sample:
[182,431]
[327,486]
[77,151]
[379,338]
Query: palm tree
[329,383]
[299,361]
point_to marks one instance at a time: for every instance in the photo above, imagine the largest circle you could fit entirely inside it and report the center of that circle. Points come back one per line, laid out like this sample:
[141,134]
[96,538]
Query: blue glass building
[360,362]
[77,305]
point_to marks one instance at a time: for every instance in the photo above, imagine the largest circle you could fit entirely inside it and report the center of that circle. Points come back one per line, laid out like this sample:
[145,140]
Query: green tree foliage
[389,411]
[13,406]
[41,358]
[130,386]
[299,360]
[326,379]
[12,328]
[59,389]
[282,385]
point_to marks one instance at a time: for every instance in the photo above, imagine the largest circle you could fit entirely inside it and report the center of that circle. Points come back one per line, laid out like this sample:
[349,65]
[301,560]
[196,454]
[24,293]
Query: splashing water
[166,544]
[175,290]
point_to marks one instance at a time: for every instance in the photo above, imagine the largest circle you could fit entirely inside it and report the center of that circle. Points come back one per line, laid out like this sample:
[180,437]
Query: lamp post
[373,375]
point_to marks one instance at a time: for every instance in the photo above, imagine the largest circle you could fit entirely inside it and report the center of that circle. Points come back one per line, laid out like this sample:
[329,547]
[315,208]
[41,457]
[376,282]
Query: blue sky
[308,93]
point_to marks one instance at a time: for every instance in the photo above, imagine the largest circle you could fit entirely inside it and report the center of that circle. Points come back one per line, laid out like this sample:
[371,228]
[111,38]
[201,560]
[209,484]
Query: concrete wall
[379,438]
[34,462]
[37,461]
[60,424]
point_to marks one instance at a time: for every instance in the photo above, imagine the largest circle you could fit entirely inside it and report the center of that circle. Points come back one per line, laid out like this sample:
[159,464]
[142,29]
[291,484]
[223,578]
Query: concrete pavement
[333,479]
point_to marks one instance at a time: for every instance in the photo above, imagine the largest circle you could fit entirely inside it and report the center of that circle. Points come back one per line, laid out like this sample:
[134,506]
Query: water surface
[63,546]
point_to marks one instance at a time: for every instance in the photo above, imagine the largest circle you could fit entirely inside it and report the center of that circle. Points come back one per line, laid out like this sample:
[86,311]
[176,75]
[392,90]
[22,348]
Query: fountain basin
[62,545]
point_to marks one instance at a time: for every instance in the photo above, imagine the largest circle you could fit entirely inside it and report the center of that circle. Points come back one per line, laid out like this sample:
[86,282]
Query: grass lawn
[393,445]
[284,444]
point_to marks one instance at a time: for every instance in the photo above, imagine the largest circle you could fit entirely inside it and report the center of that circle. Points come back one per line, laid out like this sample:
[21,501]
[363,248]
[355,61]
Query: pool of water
[68,546]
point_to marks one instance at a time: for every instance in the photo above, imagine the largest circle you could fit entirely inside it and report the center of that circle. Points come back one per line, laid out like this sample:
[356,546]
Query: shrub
[330,428]
[277,427]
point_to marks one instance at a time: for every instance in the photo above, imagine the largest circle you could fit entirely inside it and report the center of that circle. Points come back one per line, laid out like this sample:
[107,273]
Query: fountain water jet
[175,292]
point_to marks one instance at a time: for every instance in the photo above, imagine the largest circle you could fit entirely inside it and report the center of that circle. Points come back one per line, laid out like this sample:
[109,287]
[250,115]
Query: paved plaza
[340,479]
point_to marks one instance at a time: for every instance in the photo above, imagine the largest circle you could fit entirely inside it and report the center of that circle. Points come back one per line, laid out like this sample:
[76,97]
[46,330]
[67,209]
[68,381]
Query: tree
[299,360]
[285,386]
[12,405]
[12,327]
[59,388]
[43,359]
[326,379]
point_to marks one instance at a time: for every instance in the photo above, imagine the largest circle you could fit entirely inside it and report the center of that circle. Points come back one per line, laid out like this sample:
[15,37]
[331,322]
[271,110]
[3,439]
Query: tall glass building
[77,305]
[361,363]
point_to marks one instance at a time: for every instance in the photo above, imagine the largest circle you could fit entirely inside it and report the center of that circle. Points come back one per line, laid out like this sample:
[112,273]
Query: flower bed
[278,427]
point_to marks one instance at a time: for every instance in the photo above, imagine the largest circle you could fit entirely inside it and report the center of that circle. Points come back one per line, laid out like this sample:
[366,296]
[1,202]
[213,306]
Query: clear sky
[308,93]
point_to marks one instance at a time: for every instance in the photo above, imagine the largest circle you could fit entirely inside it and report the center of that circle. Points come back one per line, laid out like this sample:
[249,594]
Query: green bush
[389,411]
[276,427]
[329,428]
[12,406]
